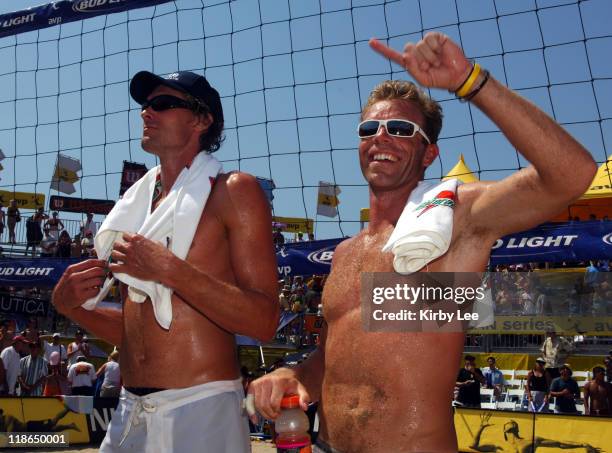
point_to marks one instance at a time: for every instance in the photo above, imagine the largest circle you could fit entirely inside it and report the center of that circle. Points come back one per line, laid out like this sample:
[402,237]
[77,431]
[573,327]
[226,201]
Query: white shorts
[204,418]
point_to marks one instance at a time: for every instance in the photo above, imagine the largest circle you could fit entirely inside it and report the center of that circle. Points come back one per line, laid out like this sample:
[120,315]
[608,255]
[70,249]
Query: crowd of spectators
[47,236]
[32,366]
[299,295]
[542,385]
[518,290]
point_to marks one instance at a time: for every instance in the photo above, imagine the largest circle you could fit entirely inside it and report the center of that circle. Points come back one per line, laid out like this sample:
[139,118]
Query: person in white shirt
[11,358]
[88,226]
[55,345]
[111,386]
[82,376]
[77,348]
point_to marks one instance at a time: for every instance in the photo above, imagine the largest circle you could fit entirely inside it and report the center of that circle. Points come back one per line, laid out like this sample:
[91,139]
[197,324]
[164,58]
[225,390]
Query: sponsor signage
[38,272]
[84,205]
[554,242]
[28,306]
[306,258]
[294,224]
[61,12]
[131,173]
[25,200]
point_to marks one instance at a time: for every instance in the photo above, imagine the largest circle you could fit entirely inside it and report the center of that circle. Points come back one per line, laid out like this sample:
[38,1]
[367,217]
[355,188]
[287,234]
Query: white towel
[173,223]
[424,230]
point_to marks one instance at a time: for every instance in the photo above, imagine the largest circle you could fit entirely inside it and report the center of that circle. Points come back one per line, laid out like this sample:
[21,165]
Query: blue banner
[306,258]
[65,11]
[555,242]
[40,272]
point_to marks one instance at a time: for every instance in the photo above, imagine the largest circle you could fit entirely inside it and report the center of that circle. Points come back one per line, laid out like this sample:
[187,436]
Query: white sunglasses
[394,127]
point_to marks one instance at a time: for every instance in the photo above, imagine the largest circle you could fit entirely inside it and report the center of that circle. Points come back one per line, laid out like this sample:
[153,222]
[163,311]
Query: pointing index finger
[386,51]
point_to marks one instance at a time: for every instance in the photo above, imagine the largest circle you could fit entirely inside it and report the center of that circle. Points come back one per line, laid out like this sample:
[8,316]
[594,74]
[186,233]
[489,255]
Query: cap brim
[144,82]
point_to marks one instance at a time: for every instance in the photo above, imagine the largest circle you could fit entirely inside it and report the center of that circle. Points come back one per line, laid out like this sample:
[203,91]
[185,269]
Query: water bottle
[292,427]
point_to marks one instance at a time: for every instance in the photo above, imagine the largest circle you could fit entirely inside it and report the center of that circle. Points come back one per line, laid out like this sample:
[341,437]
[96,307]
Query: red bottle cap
[290,402]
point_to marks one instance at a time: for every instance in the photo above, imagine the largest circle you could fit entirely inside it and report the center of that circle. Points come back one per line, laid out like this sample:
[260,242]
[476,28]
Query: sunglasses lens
[368,128]
[400,128]
[165,102]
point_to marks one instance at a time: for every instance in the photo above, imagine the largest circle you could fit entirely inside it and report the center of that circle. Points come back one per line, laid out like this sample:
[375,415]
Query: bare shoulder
[345,247]
[240,194]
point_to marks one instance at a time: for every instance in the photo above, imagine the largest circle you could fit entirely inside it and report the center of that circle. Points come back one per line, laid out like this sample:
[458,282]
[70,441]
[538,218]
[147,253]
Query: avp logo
[322,256]
[607,239]
[86,6]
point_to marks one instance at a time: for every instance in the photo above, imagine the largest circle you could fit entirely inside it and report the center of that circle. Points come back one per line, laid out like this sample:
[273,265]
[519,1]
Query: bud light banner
[554,242]
[38,272]
[64,11]
[306,258]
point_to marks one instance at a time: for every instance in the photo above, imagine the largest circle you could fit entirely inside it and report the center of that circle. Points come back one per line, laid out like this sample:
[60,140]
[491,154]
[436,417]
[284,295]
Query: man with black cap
[211,274]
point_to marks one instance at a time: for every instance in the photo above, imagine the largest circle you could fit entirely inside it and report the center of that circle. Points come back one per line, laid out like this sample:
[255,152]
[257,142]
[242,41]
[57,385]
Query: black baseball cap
[144,82]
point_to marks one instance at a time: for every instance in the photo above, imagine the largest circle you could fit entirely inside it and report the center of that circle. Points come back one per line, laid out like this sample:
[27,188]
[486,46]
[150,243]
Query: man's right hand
[270,389]
[80,282]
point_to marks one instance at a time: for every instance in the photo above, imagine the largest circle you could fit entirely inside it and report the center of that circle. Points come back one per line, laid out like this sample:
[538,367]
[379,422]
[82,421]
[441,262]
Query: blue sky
[293,75]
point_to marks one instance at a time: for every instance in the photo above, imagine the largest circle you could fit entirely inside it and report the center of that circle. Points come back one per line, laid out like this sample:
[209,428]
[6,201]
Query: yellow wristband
[467,85]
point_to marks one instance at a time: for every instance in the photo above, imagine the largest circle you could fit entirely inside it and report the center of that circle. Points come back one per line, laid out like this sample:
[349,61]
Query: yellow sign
[48,415]
[564,325]
[295,224]
[25,200]
[481,430]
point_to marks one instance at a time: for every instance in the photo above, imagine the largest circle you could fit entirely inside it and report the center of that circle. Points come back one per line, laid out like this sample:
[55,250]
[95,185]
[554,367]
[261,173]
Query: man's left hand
[141,258]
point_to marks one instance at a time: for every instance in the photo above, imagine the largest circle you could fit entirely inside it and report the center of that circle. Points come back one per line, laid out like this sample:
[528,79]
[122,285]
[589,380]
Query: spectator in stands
[2,221]
[13,216]
[33,230]
[278,238]
[284,299]
[56,383]
[77,348]
[33,370]
[31,331]
[87,245]
[82,376]
[297,301]
[536,388]
[75,246]
[598,394]
[6,337]
[3,381]
[494,377]
[300,237]
[469,380]
[55,225]
[111,386]
[64,245]
[11,358]
[555,351]
[48,244]
[88,226]
[55,346]
[565,390]
[311,236]
[298,282]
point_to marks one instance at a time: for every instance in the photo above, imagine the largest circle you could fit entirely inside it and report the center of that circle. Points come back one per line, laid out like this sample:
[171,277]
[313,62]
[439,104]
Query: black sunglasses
[166,102]
[395,127]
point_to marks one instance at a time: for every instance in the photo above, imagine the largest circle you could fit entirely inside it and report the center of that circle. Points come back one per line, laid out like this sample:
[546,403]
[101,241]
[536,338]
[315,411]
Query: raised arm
[249,307]
[561,169]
